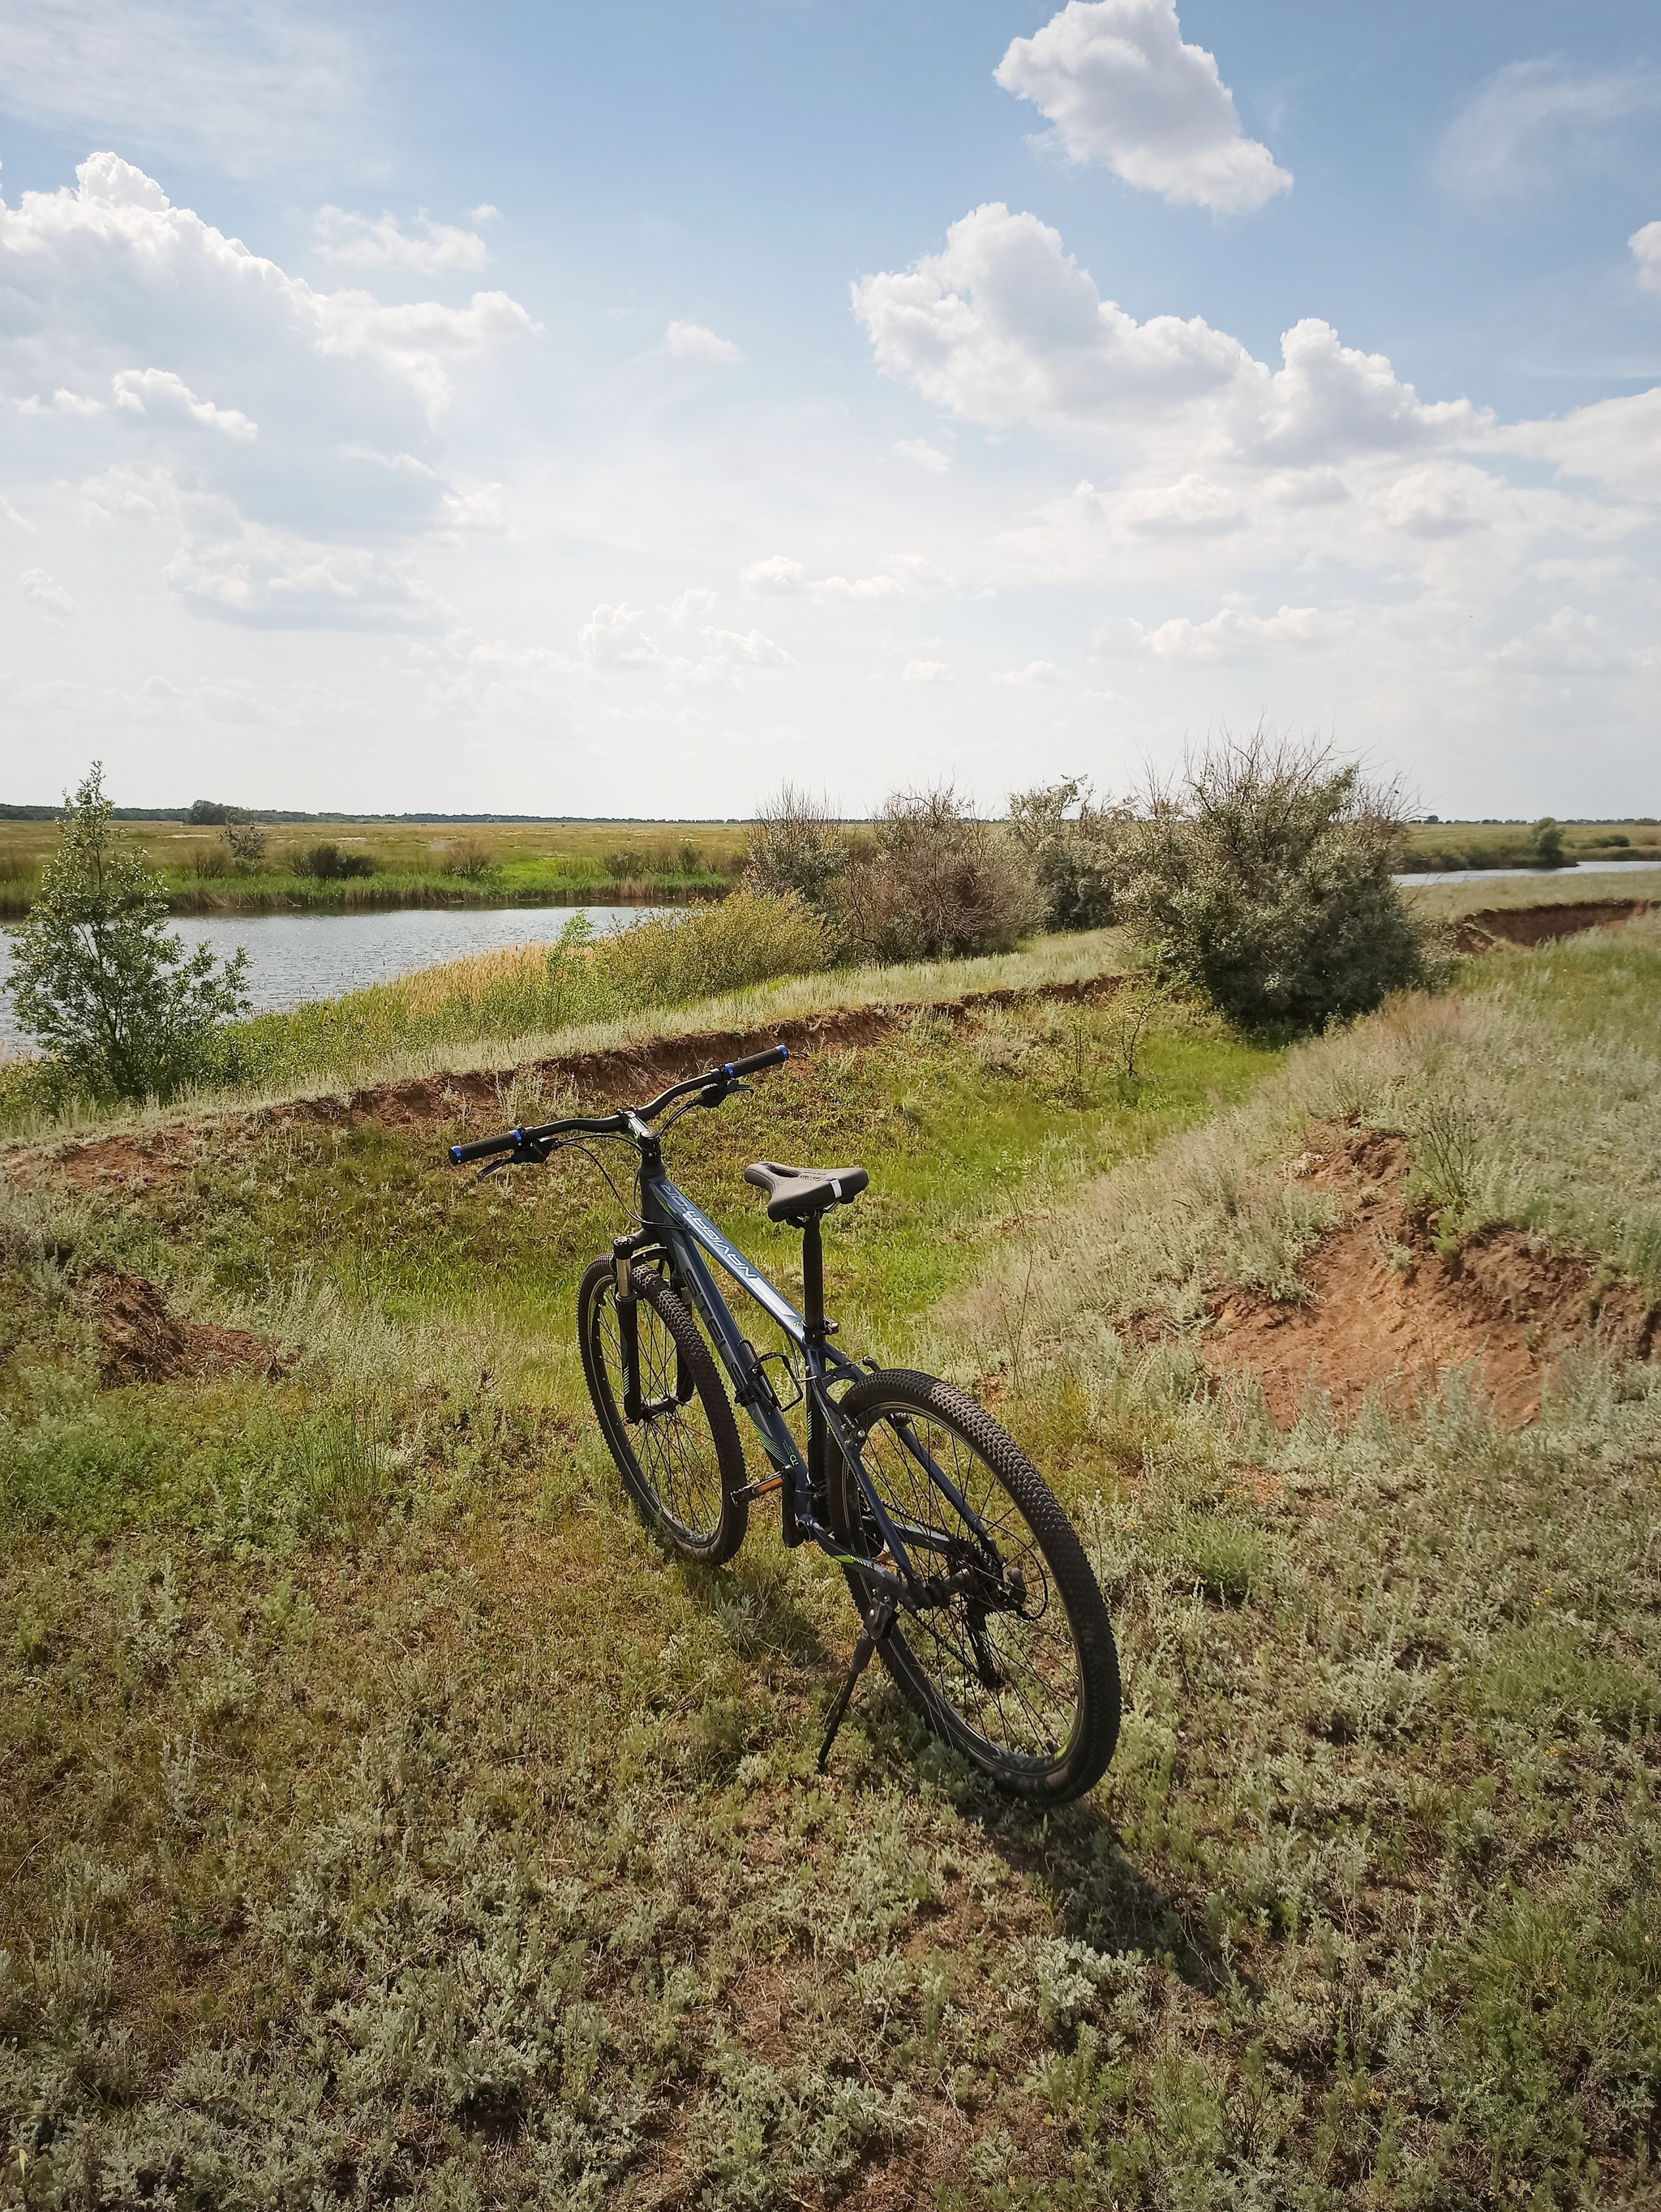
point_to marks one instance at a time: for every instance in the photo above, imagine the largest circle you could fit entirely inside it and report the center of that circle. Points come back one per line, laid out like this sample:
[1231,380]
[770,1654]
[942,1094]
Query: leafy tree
[1546,844]
[118,1006]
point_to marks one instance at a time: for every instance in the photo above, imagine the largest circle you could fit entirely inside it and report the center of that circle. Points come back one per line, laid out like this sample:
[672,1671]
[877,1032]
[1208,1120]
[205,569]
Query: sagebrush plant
[931,879]
[116,1004]
[1266,871]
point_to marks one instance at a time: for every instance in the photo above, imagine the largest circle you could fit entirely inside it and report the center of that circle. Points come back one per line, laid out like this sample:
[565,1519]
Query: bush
[469,858]
[933,882]
[798,848]
[665,959]
[1266,876]
[119,1008]
[1546,844]
[329,865]
[1075,849]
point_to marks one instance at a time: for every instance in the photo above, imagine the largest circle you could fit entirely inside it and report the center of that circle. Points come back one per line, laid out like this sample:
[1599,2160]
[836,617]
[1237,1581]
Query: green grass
[381,1815]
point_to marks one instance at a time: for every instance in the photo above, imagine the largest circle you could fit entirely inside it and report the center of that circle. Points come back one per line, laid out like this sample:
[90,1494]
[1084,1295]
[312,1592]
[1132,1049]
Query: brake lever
[528,1156]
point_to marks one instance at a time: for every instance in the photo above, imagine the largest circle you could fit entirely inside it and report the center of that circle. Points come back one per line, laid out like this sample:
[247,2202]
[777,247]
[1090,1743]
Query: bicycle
[968,1579]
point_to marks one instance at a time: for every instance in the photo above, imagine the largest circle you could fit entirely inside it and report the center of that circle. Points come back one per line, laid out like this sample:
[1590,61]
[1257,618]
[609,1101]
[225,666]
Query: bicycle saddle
[794,1193]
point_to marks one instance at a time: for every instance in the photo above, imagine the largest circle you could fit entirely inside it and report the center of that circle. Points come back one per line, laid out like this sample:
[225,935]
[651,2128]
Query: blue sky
[621,410]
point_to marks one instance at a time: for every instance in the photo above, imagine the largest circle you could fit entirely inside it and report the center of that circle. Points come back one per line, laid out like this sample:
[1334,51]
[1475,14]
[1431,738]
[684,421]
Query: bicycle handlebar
[617,1125]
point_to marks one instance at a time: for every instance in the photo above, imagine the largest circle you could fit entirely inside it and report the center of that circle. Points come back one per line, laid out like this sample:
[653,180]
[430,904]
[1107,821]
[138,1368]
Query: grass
[382,1816]
[507,864]
[1435,846]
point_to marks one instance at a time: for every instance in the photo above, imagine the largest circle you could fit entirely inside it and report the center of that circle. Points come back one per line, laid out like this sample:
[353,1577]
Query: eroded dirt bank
[1540,925]
[1387,1311]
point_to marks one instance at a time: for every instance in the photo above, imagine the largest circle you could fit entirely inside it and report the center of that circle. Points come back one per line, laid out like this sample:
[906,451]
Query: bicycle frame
[675,1227]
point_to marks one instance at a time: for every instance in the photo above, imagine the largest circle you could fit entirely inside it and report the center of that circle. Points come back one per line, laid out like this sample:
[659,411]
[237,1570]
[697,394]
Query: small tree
[1546,844]
[1268,875]
[1076,848]
[118,1006]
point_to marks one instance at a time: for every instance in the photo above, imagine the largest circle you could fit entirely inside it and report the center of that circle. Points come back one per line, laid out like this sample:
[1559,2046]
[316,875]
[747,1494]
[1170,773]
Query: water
[293,957]
[1545,875]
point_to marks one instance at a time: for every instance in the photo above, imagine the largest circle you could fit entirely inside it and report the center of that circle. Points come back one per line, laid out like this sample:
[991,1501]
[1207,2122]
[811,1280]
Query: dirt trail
[1387,1311]
[1540,925]
[602,1078]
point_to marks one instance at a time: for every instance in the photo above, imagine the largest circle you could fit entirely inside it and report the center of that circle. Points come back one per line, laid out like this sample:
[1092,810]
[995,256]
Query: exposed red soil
[1540,925]
[1386,1312]
[607,1078]
[140,1340]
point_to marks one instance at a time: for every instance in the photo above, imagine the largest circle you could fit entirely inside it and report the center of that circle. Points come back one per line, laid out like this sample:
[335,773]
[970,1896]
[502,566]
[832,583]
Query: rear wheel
[679,1457]
[1011,1659]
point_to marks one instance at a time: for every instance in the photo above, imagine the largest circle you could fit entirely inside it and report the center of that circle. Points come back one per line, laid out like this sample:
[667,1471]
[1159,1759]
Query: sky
[545,408]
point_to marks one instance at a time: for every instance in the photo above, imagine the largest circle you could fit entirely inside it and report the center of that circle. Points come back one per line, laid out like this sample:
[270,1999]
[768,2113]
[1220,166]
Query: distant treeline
[212,813]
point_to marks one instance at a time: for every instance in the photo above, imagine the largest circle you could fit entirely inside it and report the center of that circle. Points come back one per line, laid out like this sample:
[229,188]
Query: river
[296,957]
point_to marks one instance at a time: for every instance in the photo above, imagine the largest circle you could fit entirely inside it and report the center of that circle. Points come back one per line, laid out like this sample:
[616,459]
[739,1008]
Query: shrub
[665,959]
[933,881]
[118,1006]
[1075,849]
[1546,844]
[797,848]
[1266,877]
[329,865]
[469,858]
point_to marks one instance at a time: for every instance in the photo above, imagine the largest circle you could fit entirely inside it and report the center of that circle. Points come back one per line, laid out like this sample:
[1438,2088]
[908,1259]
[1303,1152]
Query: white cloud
[1003,327]
[251,84]
[1646,245]
[1532,120]
[910,577]
[1036,671]
[615,637]
[1234,634]
[922,455]
[271,580]
[159,392]
[692,342]
[1569,643]
[1193,507]
[927,671]
[46,594]
[1121,87]
[357,241]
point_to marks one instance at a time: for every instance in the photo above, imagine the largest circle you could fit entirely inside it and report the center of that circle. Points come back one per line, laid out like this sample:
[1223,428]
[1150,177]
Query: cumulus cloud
[616,637]
[1120,86]
[46,594]
[910,577]
[1003,327]
[247,84]
[1035,672]
[692,342]
[283,432]
[922,455]
[358,241]
[159,392]
[927,671]
[1646,245]
[1231,634]
[1531,120]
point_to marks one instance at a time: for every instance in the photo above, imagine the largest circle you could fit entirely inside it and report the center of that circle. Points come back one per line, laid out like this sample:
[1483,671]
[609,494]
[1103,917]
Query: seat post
[813,1279]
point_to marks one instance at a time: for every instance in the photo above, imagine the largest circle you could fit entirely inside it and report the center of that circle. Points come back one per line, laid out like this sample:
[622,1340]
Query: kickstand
[870,1635]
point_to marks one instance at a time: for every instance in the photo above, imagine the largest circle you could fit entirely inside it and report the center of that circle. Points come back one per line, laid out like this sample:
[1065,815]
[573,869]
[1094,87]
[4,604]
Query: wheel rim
[1009,1677]
[673,1451]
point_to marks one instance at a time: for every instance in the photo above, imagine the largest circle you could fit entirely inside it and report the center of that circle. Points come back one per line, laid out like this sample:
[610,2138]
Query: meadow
[383,1816]
[411,864]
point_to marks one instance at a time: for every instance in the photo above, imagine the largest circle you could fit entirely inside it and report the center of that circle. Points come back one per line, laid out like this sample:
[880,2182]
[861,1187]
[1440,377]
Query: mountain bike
[969,1581]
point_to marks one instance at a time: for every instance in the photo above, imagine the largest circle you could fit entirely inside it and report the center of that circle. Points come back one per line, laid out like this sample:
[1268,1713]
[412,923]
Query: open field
[1448,845]
[381,1816]
[513,864]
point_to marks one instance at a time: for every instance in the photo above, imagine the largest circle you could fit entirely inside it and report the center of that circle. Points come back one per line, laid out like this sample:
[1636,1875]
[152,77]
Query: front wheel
[1009,1656]
[674,1438]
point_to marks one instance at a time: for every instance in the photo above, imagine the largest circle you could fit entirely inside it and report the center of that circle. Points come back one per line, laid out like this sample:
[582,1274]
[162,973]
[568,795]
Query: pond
[296,957]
